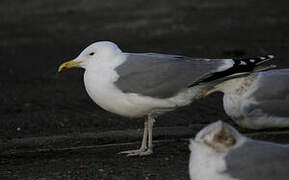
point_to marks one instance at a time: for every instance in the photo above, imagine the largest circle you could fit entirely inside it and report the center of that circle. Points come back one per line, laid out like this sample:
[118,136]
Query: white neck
[237,86]
[235,90]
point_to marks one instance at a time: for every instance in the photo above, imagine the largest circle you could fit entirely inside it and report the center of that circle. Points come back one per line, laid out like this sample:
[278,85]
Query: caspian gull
[149,84]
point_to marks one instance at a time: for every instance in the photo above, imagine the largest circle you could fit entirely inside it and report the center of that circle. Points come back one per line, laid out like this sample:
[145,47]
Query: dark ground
[36,101]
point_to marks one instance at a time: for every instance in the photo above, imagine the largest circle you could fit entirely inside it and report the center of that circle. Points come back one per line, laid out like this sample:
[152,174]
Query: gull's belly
[103,92]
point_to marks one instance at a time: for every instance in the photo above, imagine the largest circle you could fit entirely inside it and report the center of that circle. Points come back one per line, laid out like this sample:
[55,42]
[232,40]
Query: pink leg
[143,144]
[146,147]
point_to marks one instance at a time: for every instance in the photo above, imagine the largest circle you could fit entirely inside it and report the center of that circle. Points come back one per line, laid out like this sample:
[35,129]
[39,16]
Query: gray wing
[272,95]
[258,160]
[273,84]
[268,108]
[163,76]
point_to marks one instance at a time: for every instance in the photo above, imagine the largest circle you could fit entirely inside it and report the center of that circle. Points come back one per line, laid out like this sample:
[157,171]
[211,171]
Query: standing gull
[220,152]
[260,100]
[149,84]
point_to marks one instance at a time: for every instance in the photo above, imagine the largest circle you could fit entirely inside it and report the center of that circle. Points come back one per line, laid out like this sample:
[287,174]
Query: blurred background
[36,36]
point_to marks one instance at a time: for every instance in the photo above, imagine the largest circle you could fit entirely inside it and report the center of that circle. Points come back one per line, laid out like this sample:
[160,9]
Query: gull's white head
[95,53]
[219,136]
[209,149]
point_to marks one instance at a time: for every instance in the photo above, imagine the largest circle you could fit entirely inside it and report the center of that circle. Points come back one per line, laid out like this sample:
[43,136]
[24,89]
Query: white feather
[99,81]
[206,164]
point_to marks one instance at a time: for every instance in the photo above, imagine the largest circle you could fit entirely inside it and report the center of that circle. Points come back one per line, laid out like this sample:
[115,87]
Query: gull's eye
[91,54]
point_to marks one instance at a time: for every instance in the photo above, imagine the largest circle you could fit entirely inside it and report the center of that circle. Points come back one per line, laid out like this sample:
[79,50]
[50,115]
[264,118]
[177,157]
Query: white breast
[206,164]
[232,105]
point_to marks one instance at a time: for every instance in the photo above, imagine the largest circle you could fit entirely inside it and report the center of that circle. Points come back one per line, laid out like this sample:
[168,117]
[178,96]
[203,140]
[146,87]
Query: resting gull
[260,100]
[220,152]
[149,84]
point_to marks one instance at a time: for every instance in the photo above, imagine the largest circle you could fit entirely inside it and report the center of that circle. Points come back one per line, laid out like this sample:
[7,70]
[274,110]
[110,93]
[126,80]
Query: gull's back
[273,84]
[268,105]
[256,160]
[163,76]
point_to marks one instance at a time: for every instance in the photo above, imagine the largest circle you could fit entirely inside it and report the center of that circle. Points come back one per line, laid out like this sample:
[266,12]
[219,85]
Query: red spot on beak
[65,68]
[205,95]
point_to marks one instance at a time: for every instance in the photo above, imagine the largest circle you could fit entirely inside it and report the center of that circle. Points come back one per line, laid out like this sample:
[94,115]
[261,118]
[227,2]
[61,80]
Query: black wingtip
[262,59]
[248,64]
[241,66]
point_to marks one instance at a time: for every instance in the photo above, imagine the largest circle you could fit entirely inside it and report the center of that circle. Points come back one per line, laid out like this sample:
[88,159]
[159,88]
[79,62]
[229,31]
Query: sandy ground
[35,100]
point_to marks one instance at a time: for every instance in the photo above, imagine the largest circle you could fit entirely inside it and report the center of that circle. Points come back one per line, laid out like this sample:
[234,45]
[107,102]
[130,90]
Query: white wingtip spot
[270,56]
[243,63]
[262,58]
[252,60]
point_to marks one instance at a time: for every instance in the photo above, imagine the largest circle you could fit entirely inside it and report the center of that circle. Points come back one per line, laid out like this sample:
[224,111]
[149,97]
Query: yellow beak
[210,92]
[69,64]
